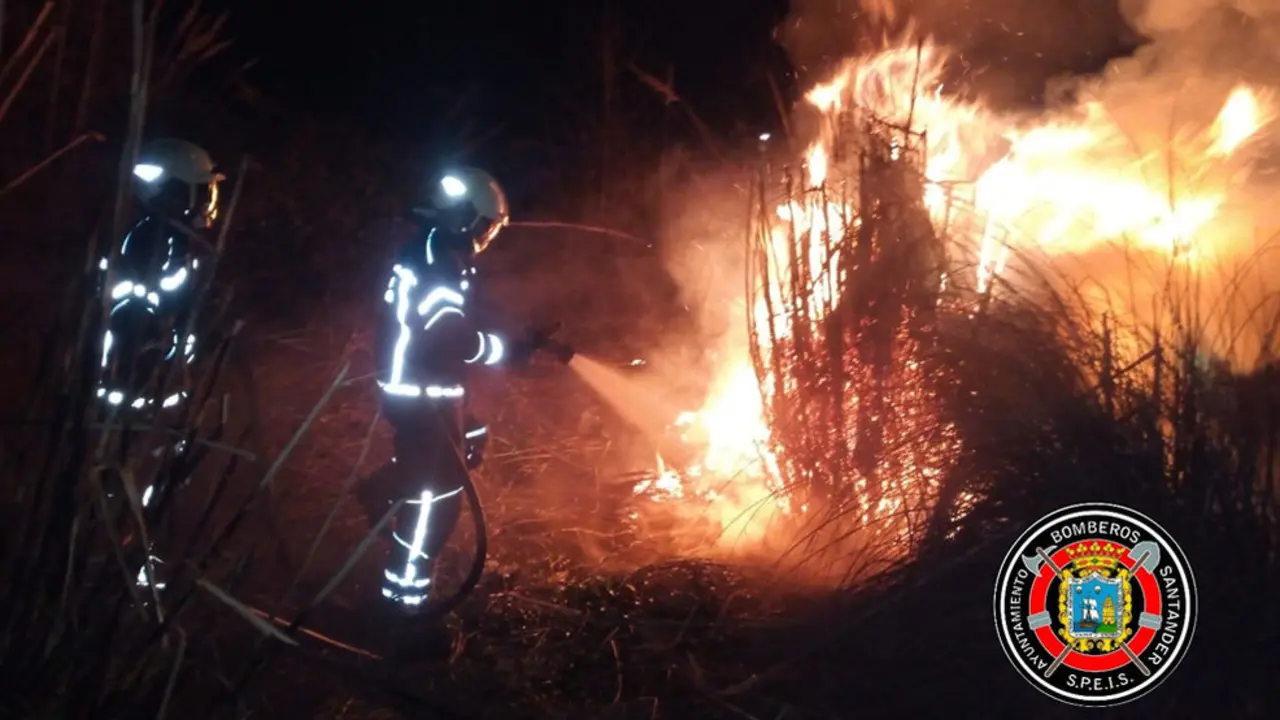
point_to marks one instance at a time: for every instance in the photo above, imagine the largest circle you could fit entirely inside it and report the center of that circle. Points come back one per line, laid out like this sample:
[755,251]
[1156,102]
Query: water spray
[637,404]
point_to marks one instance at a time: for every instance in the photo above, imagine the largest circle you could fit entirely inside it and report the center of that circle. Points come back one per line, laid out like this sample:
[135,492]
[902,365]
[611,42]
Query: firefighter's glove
[543,339]
[535,339]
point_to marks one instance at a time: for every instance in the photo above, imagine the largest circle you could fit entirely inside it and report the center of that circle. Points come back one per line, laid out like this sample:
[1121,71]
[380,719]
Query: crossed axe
[1146,555]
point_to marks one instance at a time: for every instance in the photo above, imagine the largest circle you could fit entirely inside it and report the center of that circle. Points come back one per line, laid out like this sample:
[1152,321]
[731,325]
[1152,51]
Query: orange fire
[1069,183]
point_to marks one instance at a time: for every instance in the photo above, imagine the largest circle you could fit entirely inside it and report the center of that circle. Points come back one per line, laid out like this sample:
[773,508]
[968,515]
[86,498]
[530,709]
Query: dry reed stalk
[27,40]
[26,75]
[350,482]
[80,620]
[91,68]
[50,159]
[843,321]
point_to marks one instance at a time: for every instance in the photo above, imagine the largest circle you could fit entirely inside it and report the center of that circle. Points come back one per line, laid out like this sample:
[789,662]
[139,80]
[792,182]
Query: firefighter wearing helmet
[427,345]
[149,282]
[150,278]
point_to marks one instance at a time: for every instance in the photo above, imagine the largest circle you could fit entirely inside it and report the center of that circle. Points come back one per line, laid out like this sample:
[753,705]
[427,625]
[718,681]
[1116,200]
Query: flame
[1241,117]
[1068,182]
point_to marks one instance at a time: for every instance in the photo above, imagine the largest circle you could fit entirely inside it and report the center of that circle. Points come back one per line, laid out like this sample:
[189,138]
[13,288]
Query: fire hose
[482,547]
[538,340]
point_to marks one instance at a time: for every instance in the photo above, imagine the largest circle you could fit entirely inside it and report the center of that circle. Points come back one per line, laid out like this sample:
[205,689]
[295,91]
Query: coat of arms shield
[1095,607]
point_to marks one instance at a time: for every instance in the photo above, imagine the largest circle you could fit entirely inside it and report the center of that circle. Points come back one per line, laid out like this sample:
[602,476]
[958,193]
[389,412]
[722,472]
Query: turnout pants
[428,472]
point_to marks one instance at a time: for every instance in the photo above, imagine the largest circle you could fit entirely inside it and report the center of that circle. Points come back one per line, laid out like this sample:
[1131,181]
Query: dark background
[515,85]
[395,65]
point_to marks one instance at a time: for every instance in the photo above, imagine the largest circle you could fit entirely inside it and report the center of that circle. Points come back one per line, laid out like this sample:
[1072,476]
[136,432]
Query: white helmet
[471,198]
[180,178]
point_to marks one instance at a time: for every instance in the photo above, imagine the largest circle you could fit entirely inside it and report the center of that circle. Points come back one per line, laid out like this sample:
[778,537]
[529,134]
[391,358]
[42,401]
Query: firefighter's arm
[534,339]
[176,273]
[491,348]
[494,348]
[487,348]
[441,310]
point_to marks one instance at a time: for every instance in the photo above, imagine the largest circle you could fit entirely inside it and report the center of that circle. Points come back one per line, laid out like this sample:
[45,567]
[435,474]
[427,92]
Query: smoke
[1197,53]
[1147,78]
[703,238]
[1005,50]
[1165,18]
[1078,62]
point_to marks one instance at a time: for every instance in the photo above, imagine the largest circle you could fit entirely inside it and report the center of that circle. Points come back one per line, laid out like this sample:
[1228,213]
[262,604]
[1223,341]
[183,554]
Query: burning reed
[845,291]
[915,210]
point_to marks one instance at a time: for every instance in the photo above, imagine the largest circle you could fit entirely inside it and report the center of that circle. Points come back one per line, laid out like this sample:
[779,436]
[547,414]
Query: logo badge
[1095,605]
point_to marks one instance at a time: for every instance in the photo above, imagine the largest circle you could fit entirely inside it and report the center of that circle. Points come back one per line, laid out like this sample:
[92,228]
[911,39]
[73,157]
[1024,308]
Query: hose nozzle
[541,339]
[560,351]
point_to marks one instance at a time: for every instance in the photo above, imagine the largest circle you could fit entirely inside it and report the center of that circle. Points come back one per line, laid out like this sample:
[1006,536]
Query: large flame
[1072,182]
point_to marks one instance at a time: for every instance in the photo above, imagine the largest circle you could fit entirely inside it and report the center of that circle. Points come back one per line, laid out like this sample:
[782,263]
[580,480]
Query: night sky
[394,64]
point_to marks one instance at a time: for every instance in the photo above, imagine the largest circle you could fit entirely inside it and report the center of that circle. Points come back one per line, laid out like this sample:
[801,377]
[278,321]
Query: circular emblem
[1095,604]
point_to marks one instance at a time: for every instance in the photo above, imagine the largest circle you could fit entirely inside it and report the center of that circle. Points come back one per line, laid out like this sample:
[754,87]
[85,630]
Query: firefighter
[150,281]
[427,345]
[150,286]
